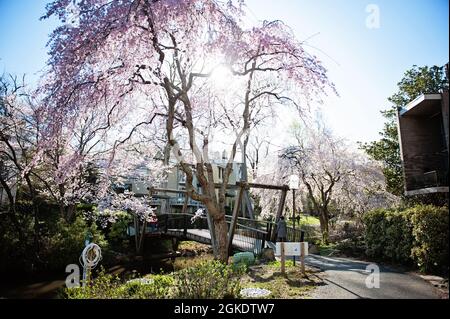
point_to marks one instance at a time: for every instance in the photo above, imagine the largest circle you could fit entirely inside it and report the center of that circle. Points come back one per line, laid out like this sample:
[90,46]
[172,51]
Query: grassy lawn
[306,220]
[292,285]
[309,221]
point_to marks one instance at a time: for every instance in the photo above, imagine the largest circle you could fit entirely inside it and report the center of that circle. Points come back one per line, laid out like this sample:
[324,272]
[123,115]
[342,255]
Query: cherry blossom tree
[155,60]
[18,138]
[331,173]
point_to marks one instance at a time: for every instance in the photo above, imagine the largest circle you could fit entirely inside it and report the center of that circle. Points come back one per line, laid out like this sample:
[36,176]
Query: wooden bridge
[246,235]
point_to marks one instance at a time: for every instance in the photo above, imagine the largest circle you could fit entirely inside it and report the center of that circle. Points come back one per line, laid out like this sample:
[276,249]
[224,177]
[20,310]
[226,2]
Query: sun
[221,77]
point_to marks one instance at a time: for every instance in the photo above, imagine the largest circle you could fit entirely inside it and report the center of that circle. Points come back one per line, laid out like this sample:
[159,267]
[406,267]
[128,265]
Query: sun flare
[221,77]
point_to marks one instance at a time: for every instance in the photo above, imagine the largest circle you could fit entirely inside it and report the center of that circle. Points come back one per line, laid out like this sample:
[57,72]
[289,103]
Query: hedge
[414,236]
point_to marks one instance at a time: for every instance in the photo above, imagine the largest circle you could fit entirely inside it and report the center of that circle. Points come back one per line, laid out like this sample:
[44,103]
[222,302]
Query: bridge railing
[249,234]
[181,221]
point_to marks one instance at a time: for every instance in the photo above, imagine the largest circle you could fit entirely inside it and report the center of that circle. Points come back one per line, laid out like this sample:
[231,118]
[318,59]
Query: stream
[47,285]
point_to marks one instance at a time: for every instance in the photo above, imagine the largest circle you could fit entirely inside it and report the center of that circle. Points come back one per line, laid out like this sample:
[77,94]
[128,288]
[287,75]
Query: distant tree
[416,81]
[334,178]
[258,149]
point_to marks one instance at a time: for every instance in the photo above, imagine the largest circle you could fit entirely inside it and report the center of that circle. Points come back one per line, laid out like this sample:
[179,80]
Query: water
[46,286]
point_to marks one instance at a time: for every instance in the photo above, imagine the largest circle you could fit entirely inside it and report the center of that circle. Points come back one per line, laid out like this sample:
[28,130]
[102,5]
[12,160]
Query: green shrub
[375,225]
[15,253]
[389,235]
[277,264]
[208,280]
[158,287]
[431,236]
[398,239]
[103,286]
[65,246]
[352,247]
[106,286]
[117,236]
[417,235]
[58,244]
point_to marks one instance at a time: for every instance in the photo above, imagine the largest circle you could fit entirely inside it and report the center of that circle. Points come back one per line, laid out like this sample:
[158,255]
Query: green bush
[431,235]
[277,264]
[65,246]
[103,286]
[398,239]
[58,243]
[417,235]
[375,224]
[106,286]
[352,247]
[16,253]
[117,235]
[208,280]
[158,287]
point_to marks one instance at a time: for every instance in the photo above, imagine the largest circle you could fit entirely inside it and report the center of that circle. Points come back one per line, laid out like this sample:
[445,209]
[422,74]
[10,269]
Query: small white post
[302,257]
[283,266]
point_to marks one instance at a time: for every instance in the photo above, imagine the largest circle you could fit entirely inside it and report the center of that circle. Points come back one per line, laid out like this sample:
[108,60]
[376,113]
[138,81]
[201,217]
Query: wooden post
[280,209]
[234,220]
[141,238]
[166,226]
[263,240]
[175,243]
[184,209]
[293,219]
[302,257]
[185,222]
[248,205]
[283,259]
[136,236]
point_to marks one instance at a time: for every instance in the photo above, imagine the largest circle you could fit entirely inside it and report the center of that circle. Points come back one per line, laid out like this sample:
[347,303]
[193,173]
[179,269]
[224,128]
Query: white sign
[291,249]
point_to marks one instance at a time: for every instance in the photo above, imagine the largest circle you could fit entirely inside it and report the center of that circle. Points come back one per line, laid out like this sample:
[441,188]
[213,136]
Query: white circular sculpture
[255,292]
[89,259]
[91,255]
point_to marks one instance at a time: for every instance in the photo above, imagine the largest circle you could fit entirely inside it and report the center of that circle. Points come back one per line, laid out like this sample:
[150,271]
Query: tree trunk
[67,212]
[324,221]
[70,213]
[141,238]
[221,232]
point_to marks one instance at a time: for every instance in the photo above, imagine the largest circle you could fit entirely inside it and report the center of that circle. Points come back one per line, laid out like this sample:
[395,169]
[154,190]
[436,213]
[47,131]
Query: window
[126,187]
[182,177]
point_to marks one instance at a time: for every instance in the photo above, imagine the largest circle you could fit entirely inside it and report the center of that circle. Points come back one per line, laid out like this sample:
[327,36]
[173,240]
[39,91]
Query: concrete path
[345,278]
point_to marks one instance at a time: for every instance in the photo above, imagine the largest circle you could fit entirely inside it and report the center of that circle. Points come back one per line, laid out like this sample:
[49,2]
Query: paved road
[345,278]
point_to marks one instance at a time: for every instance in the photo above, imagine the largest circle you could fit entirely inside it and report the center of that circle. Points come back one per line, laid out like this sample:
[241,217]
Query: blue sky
[365,64]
